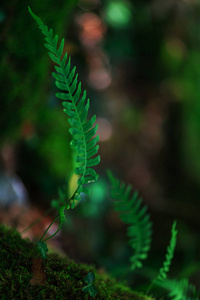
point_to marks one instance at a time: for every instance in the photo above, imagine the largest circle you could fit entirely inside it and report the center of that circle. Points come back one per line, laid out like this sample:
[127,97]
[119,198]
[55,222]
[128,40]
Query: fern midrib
[75,108]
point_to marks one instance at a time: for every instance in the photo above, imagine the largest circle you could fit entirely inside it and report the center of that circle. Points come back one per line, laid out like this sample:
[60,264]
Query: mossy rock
[64,278]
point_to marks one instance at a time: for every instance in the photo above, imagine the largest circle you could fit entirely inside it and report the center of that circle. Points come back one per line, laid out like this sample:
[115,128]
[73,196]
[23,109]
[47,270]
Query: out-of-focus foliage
[30,115]
[24,67]
[131,211]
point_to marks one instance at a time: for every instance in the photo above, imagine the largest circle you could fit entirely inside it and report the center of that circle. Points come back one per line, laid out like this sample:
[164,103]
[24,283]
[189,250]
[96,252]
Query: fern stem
[41,239]
[54,232]
[49,227]
[80,123]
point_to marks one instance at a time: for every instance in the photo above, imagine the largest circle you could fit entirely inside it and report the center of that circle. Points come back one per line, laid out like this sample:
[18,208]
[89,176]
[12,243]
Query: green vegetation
[139,234]
[162,276]
[90,287]
[82,130]
[183,290]
[131,212]
[76,107]
[27,271]
[65,279]
[170,254]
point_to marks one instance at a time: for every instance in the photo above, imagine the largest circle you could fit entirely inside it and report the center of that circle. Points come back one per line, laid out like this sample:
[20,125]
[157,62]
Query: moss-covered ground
[64,277]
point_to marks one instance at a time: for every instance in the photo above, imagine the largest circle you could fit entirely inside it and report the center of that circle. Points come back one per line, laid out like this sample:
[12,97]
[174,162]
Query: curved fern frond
[133,213]
[76,106]
[170,254]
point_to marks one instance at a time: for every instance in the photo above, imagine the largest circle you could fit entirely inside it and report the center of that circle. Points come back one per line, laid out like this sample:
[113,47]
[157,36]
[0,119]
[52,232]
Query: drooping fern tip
[131,211]
[76,106]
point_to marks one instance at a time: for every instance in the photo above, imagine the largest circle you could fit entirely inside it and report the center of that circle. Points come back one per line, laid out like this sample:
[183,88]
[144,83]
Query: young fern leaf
[76,106]
[131,212]
[170,254]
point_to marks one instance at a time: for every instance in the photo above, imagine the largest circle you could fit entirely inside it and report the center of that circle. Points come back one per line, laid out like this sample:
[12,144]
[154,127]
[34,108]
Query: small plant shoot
[90,288]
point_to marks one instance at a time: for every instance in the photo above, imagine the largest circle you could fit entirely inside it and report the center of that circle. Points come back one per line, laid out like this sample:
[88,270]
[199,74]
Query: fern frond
[170,254]
[76,106]
[133,213]
[181,290]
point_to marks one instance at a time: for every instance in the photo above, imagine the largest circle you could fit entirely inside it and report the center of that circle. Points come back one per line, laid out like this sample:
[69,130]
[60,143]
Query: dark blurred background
[140,64]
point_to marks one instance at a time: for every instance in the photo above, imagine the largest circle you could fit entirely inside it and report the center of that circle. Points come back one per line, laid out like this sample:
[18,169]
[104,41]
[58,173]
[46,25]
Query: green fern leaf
[139,230]
[76,106]
[170,254]
[42,247]
[161,279]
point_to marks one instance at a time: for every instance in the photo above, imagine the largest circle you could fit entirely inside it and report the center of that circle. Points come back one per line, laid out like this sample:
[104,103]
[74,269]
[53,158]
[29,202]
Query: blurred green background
[140,64]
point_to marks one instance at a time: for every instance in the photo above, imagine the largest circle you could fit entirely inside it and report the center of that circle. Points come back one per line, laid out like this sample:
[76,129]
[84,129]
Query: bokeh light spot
[92,29]
[104,129]
[97,192]
[118,13]
[99,78]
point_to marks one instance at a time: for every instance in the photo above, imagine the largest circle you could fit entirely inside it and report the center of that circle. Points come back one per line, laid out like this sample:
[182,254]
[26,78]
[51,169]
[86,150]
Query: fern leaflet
[76,106]
[139,230]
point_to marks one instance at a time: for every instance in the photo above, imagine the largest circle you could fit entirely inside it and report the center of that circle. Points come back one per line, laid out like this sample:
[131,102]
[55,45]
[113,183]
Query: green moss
[64,277]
